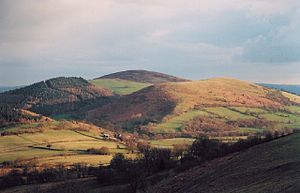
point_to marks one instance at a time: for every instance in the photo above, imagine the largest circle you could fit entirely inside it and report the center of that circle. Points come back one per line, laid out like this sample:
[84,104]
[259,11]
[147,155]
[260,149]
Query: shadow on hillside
[79,108]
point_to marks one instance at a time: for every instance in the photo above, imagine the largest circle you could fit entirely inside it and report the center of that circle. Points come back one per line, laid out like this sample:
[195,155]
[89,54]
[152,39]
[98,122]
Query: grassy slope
[270,167]
[118,86]
[292,97]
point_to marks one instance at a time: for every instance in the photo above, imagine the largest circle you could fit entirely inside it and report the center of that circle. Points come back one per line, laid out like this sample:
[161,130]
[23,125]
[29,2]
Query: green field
[121,87]
[285,119]
[294,109]
[177,122]
[71,159]
[169,143]
[289,119]
[66,145]
[249,110]
[251,130]
[229,139]
[226,113]
[275,117]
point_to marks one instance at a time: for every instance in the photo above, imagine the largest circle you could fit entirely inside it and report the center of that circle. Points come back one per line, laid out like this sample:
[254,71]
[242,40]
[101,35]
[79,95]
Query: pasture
[169,143]
[227,113]
[121,87]
[57,146]
[176,122]
[293,109]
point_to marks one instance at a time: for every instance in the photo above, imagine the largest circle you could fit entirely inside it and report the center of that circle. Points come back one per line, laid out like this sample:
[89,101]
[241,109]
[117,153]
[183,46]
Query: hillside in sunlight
[176,104]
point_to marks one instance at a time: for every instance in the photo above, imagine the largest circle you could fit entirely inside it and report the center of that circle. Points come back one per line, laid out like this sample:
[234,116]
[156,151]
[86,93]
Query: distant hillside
[57,94]
[143,76]
[270,167]
[127,82]
[163,102]
[295,89]
[8,88]
[119,86]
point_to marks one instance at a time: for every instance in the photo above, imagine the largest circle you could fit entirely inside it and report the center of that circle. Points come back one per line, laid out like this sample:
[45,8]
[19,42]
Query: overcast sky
[255,40]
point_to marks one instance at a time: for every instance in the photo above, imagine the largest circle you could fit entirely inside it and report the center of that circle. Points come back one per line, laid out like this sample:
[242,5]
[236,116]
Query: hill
[54,95]
[269,167]
[119,86]
[295,89]
[185,101]
[127,82]
[143,76]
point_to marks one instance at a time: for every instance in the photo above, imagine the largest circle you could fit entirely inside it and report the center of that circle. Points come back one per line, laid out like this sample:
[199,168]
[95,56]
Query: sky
[254,40]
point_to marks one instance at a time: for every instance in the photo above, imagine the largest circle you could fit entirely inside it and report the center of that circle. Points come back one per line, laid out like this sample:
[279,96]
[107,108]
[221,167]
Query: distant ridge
[8,88]
[295,89]
[143,76]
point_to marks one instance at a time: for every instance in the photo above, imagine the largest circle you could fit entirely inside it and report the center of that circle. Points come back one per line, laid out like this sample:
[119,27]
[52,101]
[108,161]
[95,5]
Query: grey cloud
[280,45]
[195,39]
